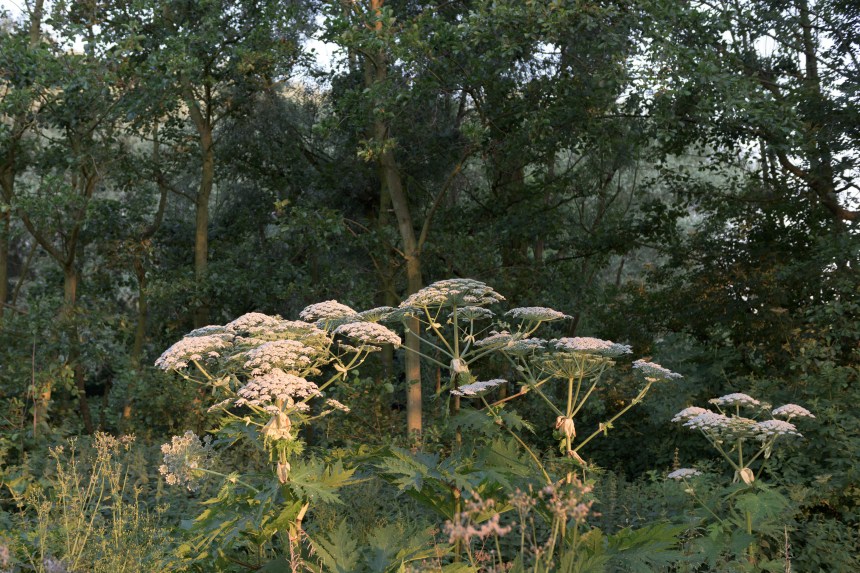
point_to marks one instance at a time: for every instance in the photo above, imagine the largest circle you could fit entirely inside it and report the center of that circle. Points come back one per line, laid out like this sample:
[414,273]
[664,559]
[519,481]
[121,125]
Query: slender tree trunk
[414,283]
[201,232]
[4,262]
[376,72]
[70,295]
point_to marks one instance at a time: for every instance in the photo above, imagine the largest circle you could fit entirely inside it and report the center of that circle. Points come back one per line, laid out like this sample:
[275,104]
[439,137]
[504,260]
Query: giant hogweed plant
[459,333]
[744,431]
[267,377]
[266,373]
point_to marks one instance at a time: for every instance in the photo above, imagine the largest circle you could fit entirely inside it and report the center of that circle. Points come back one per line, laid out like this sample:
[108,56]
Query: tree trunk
[4,262]
[413,284]
[201,233]
[376,72]
[70,295]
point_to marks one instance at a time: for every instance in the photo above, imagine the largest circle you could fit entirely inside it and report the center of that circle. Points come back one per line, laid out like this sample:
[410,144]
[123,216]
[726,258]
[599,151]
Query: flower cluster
[378,314]
[721,426]
[206,331]
[184,458]
[736,399]
[453,292]
[568,501]
[473,313]
[277,388]
[689,413]
[478,388]
[327,310]
[284,354]
[463,526]
[773,428]
[588,345]
[535,314]
[790,411]
[495,338]
[683,473]
[524,346]
[708,421]
[335,405]
[653,370]
[368,333]
[194,348]
[252,322]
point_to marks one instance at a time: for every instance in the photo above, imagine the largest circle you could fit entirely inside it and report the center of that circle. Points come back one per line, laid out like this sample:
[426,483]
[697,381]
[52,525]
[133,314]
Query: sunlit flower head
[588,345]
[478,388]
[453,292]
[653,370]
[790,411]
[684,473]
[708,421]
[327,310]
[206,331]
[378,314]
[252,322]
[368,333]
[184,457]
[276,387]
[736,399]
[197,348]
[331,402]
[524,346]
[689,413]
[472,313]
[495,339]
[770,428]
[535,314]
[288,355]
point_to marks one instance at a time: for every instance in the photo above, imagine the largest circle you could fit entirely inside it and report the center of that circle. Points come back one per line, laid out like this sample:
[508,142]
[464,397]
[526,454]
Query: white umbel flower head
[478,388]
[194,348]
[495,339]
[736,399]
[689,413]
[288,355]
[790,411]
[524,346]
[453,292]
[206,331]
[368,333]
[337,405]
[770,428]
[653,370]
[378,314]
[708,421]
[327,310]
[684,473]
[473,313]
[184,457]
[535,314]
[588,345]
[251,322]
[275,387]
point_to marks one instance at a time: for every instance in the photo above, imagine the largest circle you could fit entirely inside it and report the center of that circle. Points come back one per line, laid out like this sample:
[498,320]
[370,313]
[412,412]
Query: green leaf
[338,550]
[315,481]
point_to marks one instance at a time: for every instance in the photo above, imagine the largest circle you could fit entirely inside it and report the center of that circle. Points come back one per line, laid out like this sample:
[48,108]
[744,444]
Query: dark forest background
[677,176]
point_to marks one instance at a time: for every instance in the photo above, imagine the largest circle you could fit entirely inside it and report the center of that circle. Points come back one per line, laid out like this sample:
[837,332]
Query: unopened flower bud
[566,426]
[283,471]
[278,428]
